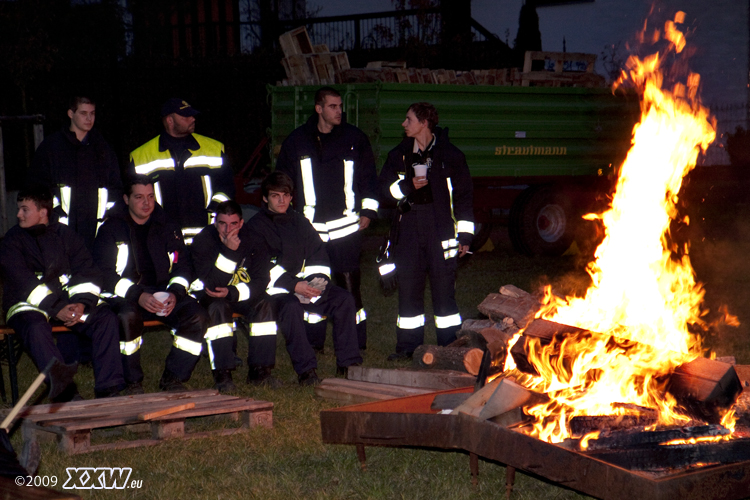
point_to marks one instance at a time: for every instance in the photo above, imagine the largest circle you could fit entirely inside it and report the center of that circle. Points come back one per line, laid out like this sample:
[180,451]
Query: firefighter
[49,278]
[143,257]
[331,163]
[300,280]
[81,169]
[429,178]
[191,172]
[231,268]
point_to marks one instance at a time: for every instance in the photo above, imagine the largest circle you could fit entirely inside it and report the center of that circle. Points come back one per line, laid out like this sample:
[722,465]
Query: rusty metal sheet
[410,422]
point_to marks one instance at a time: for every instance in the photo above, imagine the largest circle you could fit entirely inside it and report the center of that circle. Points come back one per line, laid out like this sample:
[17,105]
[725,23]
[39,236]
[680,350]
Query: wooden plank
[476,402]
[425,379]
[507,396]
[166,411]
[320,48]
[348,395]
[397,391]
[296,42]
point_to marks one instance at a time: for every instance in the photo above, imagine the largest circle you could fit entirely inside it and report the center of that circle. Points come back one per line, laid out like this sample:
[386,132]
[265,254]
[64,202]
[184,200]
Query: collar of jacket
[70,136]
[190,142]
[312,125]
[278,218]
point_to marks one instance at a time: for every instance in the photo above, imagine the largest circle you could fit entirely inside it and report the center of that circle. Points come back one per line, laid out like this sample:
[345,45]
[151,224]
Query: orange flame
[643,294]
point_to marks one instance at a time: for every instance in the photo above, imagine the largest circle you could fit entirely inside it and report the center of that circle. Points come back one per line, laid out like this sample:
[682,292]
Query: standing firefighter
[332,165]
[189,171]
[429,178]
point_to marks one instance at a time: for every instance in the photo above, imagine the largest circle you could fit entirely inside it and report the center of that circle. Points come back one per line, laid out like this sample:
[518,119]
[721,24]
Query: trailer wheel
[482,232]
[541,222]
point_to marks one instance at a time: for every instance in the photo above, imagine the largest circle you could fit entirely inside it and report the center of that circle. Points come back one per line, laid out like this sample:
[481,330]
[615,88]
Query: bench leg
[12,370]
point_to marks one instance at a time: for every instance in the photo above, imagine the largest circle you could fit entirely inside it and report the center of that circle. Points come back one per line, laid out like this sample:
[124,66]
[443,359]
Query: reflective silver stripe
[308,188]
[157,193]
[188,241]
[310,270]
[263,329]
[361,315]
[24,307]
[122,287]
[220,197]
[244,291]
[187,345]
[313,318]
[448,321]
[276,272]
[65,203]
[322,229]
[464,226]
[450,248]
[129,348]
[101,208]
[123,251]
[449,243]
[396,190]
[410,323]
[191,231]
[196,286]
[84,288]
[55,201]
[449,254]
[340,233]
[275,291]
[64,279]
[204,161]
[386,268]
[225,265]
[349,186]
[370,204]
[84,317]
[178,280]
[208,191]
[344,221]
[38,294]
[219,331]
[147,168]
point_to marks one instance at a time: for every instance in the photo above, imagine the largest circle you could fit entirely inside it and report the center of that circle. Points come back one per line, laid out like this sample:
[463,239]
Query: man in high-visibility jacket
[190,171]
[332,165]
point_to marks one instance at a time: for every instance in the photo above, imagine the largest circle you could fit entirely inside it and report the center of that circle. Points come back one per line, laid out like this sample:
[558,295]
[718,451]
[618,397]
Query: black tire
[542,221]
[481,235]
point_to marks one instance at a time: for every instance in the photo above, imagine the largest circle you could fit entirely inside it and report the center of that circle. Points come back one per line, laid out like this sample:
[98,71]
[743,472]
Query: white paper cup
[161,297]
[420,171]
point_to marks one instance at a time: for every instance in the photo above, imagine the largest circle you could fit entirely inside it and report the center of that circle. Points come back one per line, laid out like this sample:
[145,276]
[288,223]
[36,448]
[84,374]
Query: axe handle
[24,399]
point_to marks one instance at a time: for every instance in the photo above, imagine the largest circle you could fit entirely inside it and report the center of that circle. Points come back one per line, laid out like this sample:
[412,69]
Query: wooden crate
[72,423]
[559,59]
[296,42]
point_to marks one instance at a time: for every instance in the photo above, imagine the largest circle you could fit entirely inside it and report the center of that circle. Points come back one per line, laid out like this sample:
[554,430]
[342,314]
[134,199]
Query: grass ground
[290,460]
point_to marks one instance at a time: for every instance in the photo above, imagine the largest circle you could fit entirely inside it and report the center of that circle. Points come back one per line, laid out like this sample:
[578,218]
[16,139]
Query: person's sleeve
[463,200]
[393,185]
[180,275]
[22,283]
[84,286]
[222,180]
[367,179]
[107,253]
[258,265]
[214,263]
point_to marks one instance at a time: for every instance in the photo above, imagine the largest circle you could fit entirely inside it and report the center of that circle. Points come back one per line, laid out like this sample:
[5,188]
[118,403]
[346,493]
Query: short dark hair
[277,181]
[40,195]
[137,180]
[229,207]
[425,111]
[78,100]
[323,92]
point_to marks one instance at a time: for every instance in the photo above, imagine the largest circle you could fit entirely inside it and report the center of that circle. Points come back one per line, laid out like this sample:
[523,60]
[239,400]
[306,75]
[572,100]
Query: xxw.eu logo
[100,478]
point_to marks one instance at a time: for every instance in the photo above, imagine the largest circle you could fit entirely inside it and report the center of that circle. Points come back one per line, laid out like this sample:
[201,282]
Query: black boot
[310,377]
[261,376]
[170,383]
[223,381]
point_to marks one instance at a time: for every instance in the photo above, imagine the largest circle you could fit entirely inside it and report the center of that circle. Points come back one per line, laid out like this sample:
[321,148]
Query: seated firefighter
[301,280]
[49,278]
[143,257]
[231,270]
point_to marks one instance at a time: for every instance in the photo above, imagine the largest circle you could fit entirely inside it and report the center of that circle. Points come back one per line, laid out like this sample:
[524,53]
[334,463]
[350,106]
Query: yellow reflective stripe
[38,294]
[191,231]
[349,186]
[220,197]
[396,190]
[450,193]
[122,287]
[187,345]
[262,329]
[276,272]
[65,196]
[410,322]
[344,221]
[178,280]
[154,165]
[449,243]
[123,252]
[157,192]
[196,285]
[207,189]
[448,321]
[84,288]
[23,307]
[204,161]
[449,254]
[131,347]
[225,265]
[244,291]
[361,315]
[340,233]
[465,226]
[308,188]
[386,268]
[370,204]
[101,207]
[313,318]
[310,270]
[219,331]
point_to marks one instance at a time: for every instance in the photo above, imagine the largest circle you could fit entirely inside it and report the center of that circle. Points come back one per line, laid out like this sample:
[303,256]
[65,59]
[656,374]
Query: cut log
[426,379]
[448,358]
[705,388]
[520,308]
[637,438]
[543,330]
[469,338]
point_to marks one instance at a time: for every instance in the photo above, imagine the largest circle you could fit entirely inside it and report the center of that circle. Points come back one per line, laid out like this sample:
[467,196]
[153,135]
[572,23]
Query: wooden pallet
[163,413]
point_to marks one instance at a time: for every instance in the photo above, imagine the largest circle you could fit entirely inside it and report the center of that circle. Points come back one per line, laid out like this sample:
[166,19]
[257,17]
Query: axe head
[59,377]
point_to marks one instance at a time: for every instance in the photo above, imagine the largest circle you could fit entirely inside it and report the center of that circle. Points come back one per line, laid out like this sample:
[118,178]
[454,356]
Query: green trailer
[538,155]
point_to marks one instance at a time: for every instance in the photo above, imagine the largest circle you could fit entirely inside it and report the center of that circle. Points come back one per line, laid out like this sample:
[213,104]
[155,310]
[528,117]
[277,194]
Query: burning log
[637,438]
[465,359]
[582,425]
[544,331]
[705,388]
